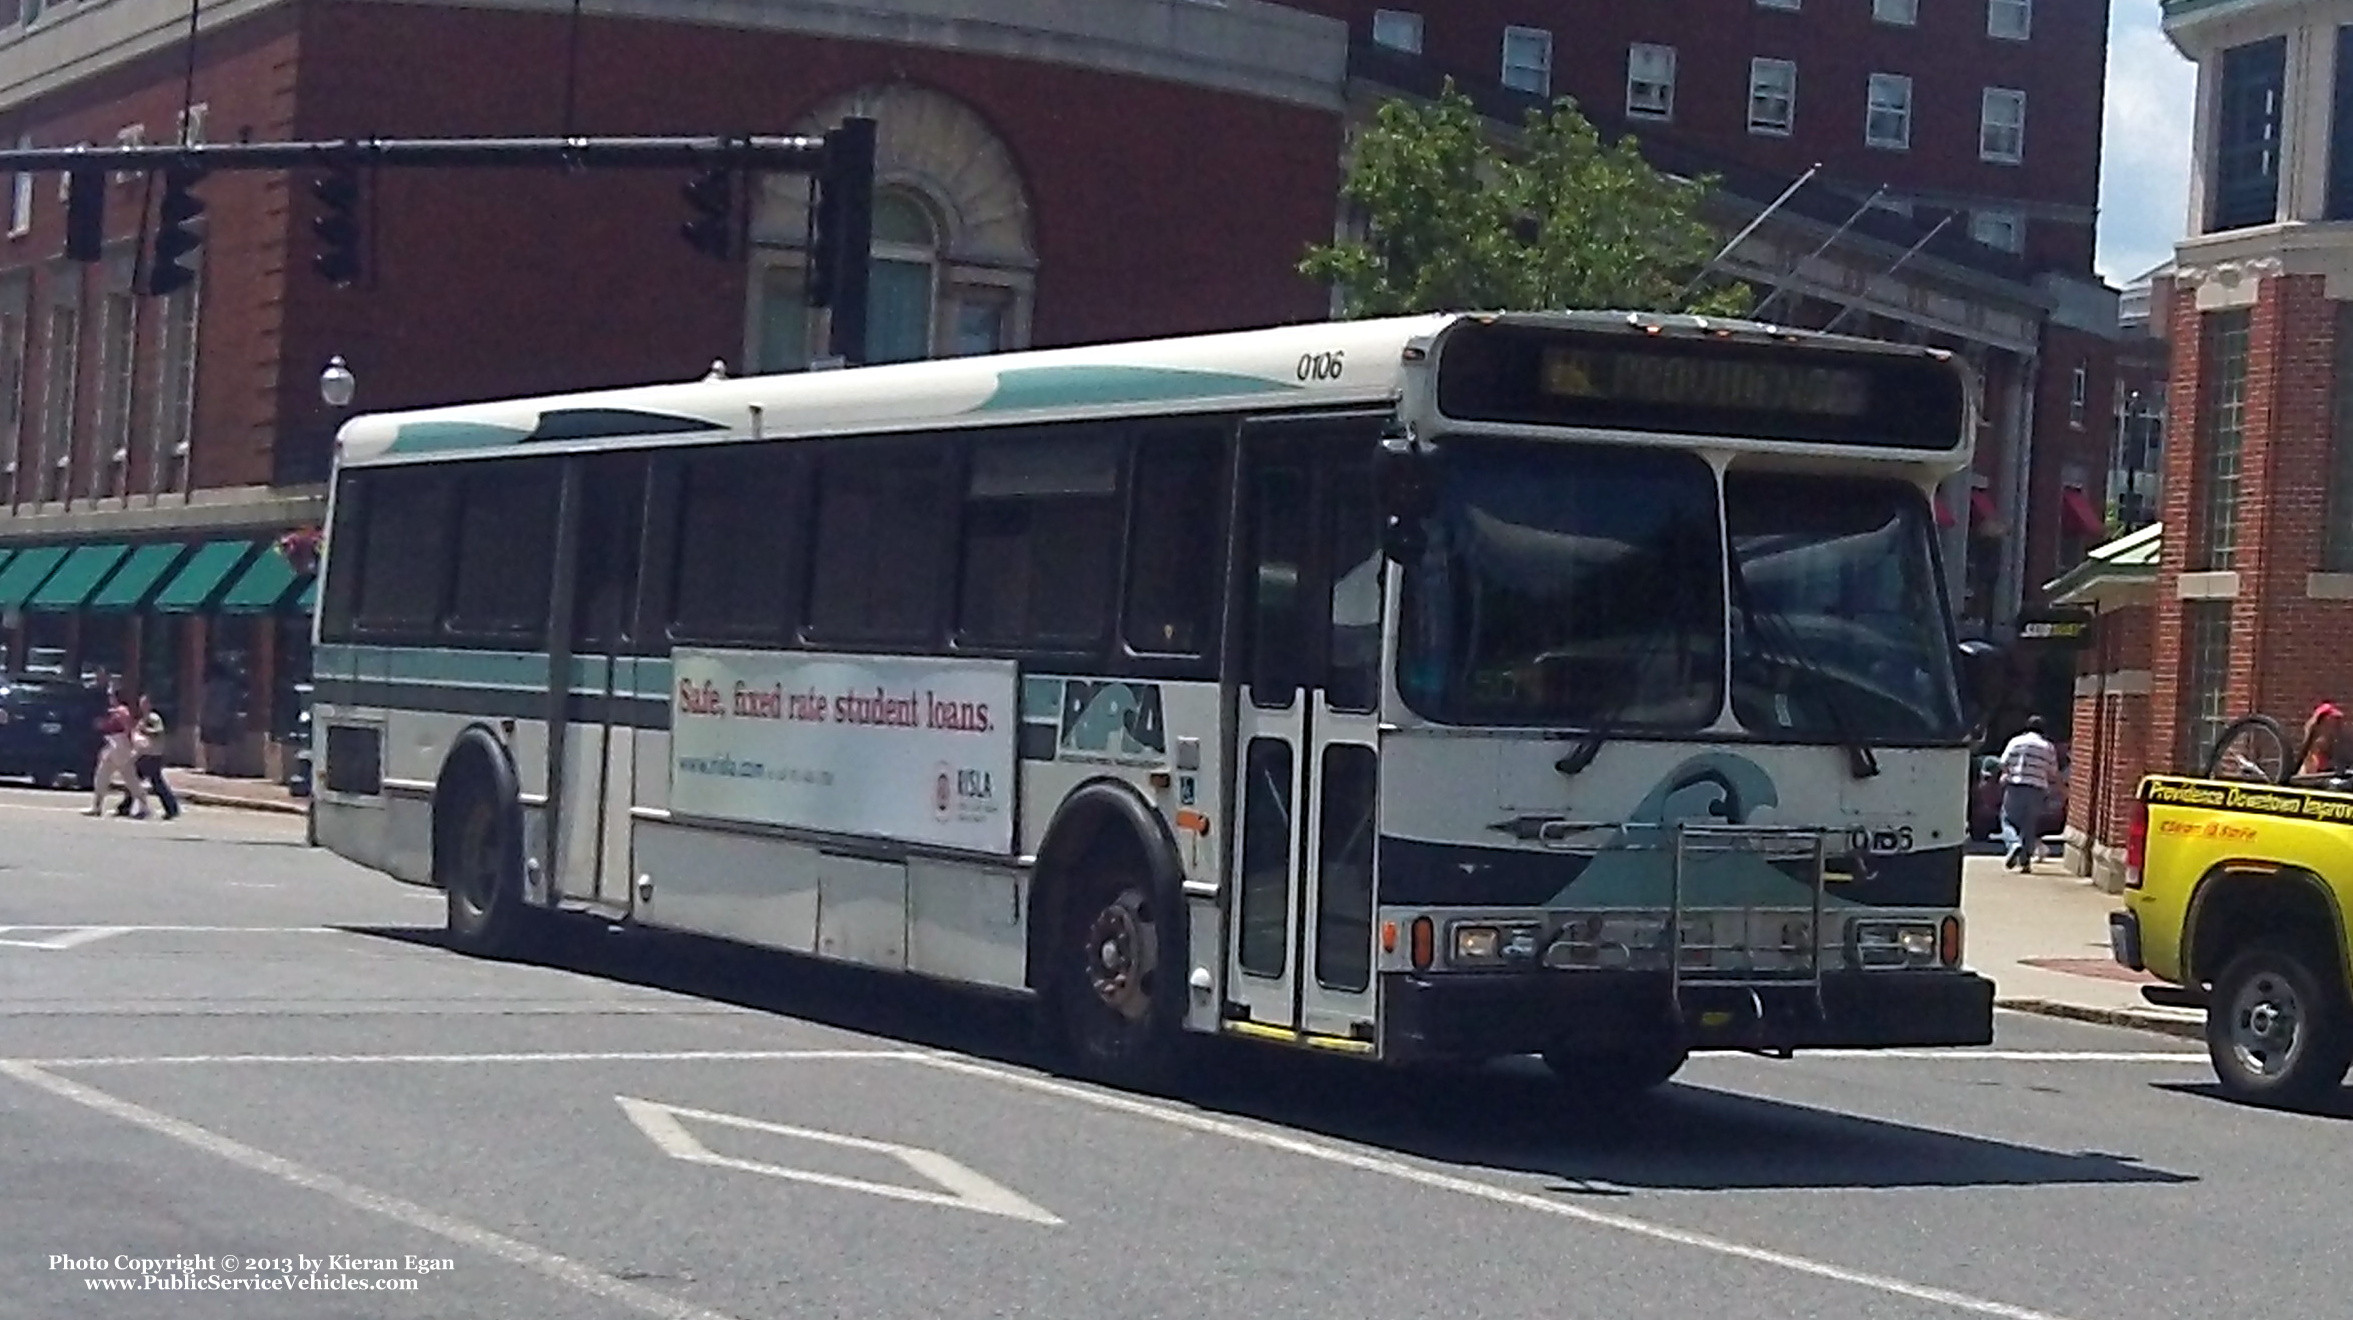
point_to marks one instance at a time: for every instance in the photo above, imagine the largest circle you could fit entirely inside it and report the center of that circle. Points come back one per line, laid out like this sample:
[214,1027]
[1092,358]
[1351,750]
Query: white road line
[552,1056]
[2015,1056]
[1369,1163]
[563,1268]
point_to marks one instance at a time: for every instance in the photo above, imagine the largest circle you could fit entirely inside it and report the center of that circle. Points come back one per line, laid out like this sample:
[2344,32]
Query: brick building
[1049,174]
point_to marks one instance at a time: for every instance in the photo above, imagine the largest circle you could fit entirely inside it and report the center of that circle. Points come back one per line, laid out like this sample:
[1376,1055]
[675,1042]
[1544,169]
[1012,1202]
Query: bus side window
[740,536]
[405,553]
[506,522]
[346,541]
[883,510]
[1175,524]
[1041,539]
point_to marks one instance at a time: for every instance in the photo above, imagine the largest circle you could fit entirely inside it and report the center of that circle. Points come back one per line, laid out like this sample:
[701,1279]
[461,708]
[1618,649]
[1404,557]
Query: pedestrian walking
[116,760]
[2030,771]
[147,753]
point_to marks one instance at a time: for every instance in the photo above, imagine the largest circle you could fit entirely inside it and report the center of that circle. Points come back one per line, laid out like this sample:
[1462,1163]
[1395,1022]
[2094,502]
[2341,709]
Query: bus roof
[1335,363]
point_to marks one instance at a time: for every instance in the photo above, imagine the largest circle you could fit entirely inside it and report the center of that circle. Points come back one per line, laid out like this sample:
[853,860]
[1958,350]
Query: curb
[2162,1023]
[204,799]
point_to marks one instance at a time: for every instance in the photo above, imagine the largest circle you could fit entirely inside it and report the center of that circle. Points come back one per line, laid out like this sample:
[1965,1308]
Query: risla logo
[965,793]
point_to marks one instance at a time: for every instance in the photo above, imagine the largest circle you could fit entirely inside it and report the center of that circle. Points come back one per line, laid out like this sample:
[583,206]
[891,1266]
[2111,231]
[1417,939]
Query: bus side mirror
[1979,667]
[1405,480]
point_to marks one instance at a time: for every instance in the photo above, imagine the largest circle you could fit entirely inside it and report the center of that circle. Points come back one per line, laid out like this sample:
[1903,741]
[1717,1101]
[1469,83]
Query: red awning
[2076,511]
[1981,508]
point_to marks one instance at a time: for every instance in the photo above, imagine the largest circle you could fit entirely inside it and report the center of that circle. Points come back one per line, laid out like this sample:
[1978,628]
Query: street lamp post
[337,386]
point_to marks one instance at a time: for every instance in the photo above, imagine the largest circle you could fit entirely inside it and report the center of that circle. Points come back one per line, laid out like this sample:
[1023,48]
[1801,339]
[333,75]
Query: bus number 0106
[1880,842]
[1321,366]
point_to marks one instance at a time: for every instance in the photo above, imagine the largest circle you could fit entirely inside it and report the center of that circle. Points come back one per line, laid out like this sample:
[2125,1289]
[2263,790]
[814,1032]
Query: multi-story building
[1048,174]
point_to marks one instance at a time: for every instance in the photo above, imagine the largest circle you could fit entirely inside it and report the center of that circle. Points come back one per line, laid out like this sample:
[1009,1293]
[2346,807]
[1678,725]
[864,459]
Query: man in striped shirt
[2030,770]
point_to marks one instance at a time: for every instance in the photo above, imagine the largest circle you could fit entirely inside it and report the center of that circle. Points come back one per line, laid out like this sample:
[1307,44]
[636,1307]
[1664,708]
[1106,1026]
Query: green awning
[138,575]
[308,601]
[76,578]
[197,579]
[25,572]
[6,555]
[266,582]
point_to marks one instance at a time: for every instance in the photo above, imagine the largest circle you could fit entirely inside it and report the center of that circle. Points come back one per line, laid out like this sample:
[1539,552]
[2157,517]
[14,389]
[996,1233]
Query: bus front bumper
[1478,1016]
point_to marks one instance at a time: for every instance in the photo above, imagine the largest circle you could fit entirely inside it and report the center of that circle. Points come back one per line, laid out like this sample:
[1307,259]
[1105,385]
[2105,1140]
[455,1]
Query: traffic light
[85,214]
[711,196]
[842,241]
[176,237]
[336,225]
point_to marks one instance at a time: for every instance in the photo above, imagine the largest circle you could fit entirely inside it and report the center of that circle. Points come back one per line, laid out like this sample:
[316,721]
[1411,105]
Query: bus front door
[1300,931]
[599,739]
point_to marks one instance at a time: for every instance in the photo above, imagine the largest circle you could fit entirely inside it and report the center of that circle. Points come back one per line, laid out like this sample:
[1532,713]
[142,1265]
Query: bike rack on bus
[1810,845]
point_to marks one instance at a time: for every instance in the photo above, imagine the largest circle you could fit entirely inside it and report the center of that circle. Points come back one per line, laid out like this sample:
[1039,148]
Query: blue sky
[2145,156]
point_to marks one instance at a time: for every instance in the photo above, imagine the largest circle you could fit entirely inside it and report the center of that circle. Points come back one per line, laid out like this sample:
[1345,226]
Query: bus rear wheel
[478,874]
[1112,989]
[1623,1073]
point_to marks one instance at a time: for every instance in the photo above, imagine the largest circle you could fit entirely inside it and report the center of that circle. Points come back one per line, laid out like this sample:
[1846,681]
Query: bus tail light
[1948,942]
[1425,944]
[2136,843]
[1388,937]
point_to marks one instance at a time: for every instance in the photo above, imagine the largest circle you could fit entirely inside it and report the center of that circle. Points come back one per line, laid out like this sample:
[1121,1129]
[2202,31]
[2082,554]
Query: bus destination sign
[1605,380]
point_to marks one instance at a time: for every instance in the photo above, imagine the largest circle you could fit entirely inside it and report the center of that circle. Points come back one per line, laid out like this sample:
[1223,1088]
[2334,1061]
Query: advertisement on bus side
[916,749]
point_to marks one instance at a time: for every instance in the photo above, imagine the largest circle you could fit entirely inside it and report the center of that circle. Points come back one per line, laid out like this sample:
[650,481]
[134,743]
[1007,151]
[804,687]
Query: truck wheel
[1607,1076]
[1111,989]
[487,915]
[2280,1033]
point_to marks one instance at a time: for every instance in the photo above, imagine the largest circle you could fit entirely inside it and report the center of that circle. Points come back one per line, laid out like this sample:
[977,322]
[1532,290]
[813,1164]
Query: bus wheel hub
[1119,948]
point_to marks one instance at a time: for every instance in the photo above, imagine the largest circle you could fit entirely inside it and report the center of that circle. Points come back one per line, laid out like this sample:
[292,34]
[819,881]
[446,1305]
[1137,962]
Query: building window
[1777,4]
[57,387]
[118,339]
[2079,387]
[1772,96]
[15,296]
[2013,19]
[2336,550]
[1398,29]
[1903,13]
[2001,126]
[1527,60]
[2206,682]
[1888,121]
[2222,378]
[2247,134]
[1999,228]
[172,431]
[1650,81]
[20,197]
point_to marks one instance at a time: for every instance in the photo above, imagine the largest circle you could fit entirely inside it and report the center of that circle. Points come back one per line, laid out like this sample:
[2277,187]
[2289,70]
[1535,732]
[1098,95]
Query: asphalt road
[219,1046]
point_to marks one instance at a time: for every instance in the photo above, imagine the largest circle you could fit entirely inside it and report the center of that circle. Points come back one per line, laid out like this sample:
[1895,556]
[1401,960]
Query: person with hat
[2324,742]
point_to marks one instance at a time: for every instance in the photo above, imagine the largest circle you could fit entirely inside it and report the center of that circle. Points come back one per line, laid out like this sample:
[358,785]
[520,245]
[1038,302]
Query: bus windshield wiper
[1761,625]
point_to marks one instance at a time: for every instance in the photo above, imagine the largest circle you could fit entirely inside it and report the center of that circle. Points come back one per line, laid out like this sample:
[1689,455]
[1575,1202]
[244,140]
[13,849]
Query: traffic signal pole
[842,160]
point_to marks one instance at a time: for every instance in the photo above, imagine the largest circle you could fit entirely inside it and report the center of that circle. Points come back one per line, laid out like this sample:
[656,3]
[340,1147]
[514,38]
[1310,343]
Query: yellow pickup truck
[2235,893]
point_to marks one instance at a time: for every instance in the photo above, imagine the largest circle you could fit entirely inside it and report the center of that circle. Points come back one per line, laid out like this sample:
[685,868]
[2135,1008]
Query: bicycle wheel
[2252,747]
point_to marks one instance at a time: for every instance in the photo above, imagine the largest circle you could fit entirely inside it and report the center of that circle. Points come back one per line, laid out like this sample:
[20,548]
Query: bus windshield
[1838,626]
[1567,585]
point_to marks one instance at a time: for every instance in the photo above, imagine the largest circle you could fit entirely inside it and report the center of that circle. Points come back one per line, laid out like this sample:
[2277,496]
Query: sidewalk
[217,791]
[2043,939]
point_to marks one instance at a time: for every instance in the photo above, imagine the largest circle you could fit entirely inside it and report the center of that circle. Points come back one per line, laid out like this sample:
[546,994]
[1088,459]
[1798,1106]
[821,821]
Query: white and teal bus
[1428,689]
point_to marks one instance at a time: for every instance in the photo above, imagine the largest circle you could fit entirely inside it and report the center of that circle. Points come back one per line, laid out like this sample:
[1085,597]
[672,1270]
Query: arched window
[953,264]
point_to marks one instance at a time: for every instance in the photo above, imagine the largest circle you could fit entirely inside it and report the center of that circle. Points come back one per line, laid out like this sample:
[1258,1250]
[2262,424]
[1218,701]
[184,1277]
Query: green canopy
[138,575]
[308,601]
[197,579]
[25,572]
[266,582]
[76,578]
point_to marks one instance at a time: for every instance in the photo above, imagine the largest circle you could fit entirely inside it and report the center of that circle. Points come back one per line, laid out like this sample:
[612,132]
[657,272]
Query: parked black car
[49,728]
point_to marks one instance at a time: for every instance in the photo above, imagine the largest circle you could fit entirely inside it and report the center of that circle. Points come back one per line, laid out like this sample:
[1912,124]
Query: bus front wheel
[478,874]
[1112,992]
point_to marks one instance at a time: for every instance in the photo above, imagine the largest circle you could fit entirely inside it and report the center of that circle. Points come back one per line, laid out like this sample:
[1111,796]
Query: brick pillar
[2177,509]
[2300,642]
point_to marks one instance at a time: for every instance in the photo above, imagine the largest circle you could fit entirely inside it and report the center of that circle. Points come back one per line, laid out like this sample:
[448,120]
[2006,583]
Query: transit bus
[1437,688]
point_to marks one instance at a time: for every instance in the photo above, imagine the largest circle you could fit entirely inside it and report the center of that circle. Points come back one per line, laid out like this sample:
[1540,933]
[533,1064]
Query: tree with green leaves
[1456,221]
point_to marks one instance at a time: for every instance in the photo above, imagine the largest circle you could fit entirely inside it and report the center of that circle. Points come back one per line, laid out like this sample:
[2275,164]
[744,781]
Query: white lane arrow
[67,937]
[963,1189]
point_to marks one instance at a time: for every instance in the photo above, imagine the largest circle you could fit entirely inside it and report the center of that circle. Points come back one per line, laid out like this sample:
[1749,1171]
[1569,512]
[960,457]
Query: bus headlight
[1484,944]
[1892,944]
